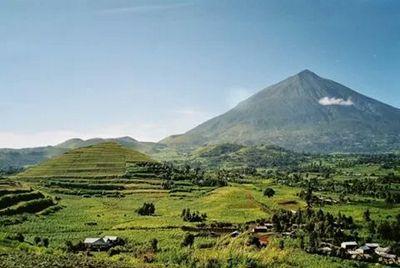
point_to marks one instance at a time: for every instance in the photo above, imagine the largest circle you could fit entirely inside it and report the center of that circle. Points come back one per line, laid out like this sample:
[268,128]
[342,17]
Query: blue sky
[149,69]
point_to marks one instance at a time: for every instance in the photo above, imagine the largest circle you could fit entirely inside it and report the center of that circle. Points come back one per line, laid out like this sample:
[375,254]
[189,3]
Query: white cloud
[335,101]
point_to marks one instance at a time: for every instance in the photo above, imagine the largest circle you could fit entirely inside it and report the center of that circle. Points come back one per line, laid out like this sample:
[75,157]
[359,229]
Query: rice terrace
[199,133]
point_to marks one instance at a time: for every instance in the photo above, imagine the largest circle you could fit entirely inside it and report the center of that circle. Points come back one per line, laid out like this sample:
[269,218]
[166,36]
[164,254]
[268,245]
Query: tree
[188,240]
[269,192]
[302,242]
[367,215]
[146,209]
[19,237]
[37,240]
[389,199]
[385,230]
[309,196]
[281,244]
[372,227]
[195,216]
[154,245]
[45,242]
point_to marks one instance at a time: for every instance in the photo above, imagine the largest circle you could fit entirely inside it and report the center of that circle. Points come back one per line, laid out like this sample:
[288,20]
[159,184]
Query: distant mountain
[107,159]
[32,156]
[304,113]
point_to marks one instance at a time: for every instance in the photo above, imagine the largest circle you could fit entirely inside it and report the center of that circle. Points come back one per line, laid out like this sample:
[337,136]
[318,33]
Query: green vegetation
[181,214]
[105,160]
[146,210]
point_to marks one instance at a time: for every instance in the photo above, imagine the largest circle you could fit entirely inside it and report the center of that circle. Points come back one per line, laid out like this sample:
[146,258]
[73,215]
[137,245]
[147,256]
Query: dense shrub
[146,209]
[269,192]
[188,240]
[29,207]
[18,237]
[13,191]
[195,216]
[12,199]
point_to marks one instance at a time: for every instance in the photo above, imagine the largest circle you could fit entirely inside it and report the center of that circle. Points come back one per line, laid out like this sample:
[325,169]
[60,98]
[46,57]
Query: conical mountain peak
[306,72]
[304,112]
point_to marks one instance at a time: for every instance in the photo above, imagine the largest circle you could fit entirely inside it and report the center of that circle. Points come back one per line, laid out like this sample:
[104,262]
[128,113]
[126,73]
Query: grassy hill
[228,155]
[18,158]
[108,159]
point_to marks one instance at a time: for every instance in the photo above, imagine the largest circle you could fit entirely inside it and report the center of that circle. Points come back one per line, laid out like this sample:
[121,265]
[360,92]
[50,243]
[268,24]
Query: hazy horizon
[150,69]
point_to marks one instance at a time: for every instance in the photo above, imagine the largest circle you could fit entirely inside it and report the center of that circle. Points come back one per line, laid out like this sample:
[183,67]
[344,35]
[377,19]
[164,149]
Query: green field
[96,191]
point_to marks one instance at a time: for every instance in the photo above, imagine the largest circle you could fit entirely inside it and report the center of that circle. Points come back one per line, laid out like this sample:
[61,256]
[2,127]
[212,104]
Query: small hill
[230,155]
[304,112]
[108,159]
[18,158]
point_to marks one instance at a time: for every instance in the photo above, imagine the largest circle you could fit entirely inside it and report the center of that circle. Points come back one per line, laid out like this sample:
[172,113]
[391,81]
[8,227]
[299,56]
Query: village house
[97,243]
[325,250]
[349,245]
[235,234]
[372,246]
[365,250]
[260,229]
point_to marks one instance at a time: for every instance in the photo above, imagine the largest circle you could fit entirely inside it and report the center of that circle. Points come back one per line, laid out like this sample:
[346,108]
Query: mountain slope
[305,113]
[108,159]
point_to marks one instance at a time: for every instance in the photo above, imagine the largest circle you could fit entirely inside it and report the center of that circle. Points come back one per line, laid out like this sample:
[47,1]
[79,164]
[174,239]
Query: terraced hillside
[105,160]
[16,199]
[103,170]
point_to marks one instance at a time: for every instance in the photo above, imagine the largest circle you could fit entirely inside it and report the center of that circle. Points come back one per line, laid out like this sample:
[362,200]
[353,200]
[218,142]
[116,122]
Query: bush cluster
[147,209]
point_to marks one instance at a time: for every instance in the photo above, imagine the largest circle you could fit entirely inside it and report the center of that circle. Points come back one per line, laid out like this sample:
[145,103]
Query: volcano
[304,112]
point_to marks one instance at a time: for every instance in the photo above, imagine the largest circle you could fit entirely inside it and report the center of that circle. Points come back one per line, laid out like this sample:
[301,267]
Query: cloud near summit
[335,101]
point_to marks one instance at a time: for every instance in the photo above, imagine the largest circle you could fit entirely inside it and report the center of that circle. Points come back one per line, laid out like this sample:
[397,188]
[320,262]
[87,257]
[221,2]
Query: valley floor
[80,218]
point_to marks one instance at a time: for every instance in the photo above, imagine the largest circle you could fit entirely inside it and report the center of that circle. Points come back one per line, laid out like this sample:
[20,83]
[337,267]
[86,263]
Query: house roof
[363,248]
[372,245]
[349,243]
[110,238]
[92,240]
[326,249]
[384,250]
[387,256]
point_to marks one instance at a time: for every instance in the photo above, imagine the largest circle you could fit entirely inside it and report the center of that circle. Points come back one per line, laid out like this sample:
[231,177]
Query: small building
[235,234]
[372,245]
[263,240]
[387,256]
[95,243]
[382,250]
[111,239]
[364,250]
[260,229]
[269,225]
[349,245]
[325,250]
[289,234]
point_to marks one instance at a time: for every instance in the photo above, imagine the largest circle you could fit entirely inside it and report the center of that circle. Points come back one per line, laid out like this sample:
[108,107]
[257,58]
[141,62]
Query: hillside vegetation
[19,158]
[108,159]
[228,155]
